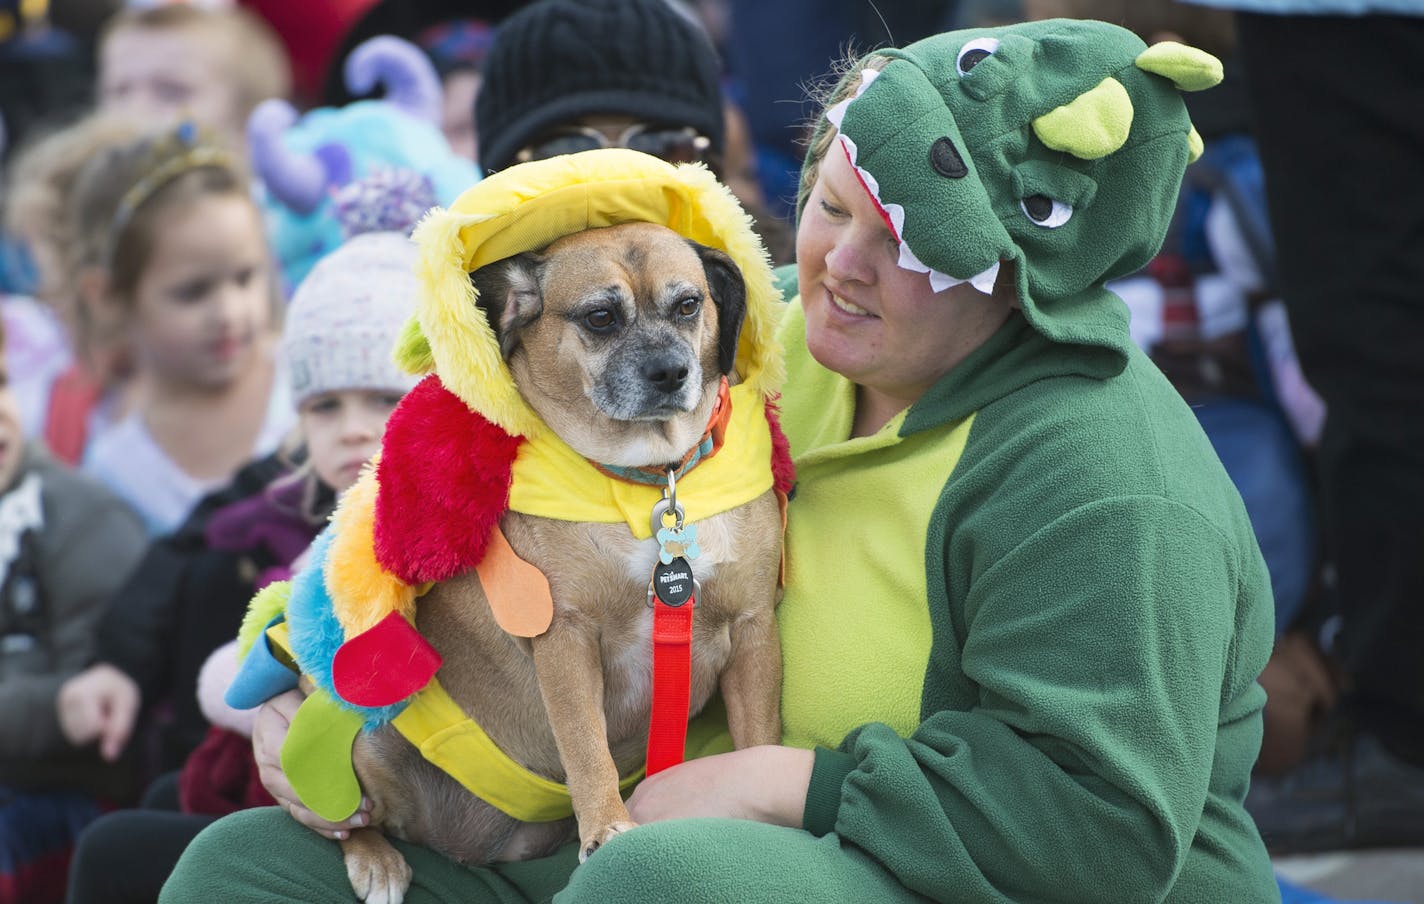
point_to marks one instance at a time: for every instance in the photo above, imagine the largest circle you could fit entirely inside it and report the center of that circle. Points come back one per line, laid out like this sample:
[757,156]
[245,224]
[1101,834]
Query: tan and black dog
[618,338]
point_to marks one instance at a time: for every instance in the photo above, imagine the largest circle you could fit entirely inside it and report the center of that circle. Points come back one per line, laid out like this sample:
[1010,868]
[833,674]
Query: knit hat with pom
[345,317]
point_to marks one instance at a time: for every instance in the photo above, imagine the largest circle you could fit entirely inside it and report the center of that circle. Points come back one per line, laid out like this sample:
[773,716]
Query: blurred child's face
[202,310]
[11,437]
[158,76]
[343,430]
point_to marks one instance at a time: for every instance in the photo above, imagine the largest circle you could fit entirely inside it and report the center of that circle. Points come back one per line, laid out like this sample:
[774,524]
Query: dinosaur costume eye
[975,52]
[1045,211]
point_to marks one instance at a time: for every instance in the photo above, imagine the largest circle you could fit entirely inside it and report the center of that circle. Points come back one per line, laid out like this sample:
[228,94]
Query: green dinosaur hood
[1058,145]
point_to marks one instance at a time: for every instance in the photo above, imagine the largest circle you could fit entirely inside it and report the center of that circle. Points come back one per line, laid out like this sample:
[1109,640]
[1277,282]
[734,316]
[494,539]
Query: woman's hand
[100,703]
[269,730]
[767,784]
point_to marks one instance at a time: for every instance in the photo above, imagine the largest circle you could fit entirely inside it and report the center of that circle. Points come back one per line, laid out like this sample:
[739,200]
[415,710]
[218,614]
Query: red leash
[672,592]
[672,678]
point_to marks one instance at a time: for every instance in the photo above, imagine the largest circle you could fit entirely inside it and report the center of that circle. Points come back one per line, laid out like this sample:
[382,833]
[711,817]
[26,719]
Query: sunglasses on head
[673,145]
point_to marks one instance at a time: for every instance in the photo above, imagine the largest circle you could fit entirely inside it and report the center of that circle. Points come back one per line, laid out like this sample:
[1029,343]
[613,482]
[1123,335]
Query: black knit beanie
[557,60]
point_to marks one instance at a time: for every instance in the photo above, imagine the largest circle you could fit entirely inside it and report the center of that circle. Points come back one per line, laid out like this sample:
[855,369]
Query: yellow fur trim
[526,207]
[551,480]
[264,607]
[1189,69]
[1091,125]
[362,592]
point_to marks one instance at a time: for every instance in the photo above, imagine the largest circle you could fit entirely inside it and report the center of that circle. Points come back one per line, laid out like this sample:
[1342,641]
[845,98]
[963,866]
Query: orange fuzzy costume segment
[362,592]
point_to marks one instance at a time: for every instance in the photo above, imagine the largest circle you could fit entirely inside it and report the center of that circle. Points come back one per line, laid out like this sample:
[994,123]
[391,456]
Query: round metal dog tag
[673,582]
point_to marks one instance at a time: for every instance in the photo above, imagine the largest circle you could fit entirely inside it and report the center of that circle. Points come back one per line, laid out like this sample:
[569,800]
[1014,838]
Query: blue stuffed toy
[326,173]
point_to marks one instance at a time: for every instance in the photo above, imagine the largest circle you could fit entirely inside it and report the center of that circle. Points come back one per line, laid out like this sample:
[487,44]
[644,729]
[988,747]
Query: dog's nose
[666,376]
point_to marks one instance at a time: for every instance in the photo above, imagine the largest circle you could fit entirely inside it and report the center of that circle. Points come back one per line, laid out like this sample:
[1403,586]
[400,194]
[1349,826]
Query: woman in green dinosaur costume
[1024,611]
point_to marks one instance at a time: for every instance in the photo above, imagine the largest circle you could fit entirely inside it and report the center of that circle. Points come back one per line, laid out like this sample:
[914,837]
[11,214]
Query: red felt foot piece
[384,664]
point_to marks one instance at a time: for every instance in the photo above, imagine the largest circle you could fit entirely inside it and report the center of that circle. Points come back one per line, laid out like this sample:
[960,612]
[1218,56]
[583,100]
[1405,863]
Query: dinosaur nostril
[945,159]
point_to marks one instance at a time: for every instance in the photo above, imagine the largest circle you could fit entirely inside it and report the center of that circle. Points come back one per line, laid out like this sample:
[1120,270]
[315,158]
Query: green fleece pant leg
[264,856]
[727,861]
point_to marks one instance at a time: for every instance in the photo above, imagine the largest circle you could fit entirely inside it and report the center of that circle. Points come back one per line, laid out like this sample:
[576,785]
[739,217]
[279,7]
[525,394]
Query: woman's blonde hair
[839,84]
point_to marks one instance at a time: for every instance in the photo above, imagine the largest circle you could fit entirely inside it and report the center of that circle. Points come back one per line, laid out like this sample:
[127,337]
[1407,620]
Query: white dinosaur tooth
[941,281]
[836,113]
[984,281]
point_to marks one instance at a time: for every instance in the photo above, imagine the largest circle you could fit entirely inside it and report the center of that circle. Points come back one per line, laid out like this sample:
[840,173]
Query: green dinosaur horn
[1189,69]
[1091,125]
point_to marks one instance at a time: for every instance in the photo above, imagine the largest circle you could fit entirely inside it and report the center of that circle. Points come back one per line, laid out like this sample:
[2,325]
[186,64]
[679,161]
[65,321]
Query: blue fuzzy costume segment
[316,633]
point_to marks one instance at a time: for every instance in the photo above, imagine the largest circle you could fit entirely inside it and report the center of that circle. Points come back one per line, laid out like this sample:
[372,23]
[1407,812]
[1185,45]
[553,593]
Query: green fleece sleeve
[1099,651]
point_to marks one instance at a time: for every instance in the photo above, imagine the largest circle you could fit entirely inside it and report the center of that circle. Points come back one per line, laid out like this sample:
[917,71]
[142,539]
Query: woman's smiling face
[867,318]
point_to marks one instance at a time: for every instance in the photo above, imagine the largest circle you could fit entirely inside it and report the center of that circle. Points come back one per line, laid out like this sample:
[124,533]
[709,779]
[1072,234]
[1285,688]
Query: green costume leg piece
[730,861]
[264,856]
[316,756]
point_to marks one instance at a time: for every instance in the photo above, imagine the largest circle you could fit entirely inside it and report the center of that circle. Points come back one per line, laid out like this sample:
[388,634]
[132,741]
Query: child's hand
[100,703]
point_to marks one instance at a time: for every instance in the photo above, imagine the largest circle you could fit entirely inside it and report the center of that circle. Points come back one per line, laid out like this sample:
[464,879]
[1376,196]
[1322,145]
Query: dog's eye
[600,320]
[689,306]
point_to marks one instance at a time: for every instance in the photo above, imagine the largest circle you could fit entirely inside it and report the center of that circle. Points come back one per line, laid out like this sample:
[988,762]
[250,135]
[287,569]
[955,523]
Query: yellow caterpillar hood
[525,208]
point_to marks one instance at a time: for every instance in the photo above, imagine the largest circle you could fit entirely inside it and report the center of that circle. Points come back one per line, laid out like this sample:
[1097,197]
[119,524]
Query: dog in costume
[483,546]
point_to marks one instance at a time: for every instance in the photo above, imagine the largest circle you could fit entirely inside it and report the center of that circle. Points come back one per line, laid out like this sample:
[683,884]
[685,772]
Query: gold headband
[195,157]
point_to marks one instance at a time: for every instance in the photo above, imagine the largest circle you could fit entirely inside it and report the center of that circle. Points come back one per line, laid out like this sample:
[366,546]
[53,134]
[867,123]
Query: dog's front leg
[378,872]
[751,682]
[570,670]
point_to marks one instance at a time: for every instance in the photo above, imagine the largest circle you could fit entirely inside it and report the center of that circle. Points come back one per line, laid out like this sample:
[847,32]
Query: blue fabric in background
[37,833]
[1296,894]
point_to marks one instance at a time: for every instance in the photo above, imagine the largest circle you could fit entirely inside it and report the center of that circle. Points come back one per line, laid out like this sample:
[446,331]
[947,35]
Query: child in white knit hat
[341,325]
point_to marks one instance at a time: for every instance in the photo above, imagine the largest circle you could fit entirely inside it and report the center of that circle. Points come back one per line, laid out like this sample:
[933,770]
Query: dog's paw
[378,873]
[599,838]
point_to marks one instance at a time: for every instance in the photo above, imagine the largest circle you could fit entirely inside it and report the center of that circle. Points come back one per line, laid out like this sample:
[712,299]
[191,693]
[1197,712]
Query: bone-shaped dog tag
[678,542]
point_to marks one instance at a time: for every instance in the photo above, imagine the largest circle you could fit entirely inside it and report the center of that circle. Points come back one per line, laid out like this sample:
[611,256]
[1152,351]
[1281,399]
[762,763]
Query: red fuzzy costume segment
[783,472]
[444,479]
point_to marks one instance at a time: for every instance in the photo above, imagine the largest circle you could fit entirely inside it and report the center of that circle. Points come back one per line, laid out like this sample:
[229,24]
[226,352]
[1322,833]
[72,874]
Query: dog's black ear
[729,293]
[510,294]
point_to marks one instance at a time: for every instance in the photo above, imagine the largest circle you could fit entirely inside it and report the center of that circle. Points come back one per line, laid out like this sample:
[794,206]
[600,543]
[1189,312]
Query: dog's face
[618,337]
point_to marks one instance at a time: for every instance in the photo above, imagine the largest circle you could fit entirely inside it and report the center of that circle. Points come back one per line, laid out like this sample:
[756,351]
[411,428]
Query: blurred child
[170,242]
[65,545]
[176,61]
[80,388]
[189,595]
